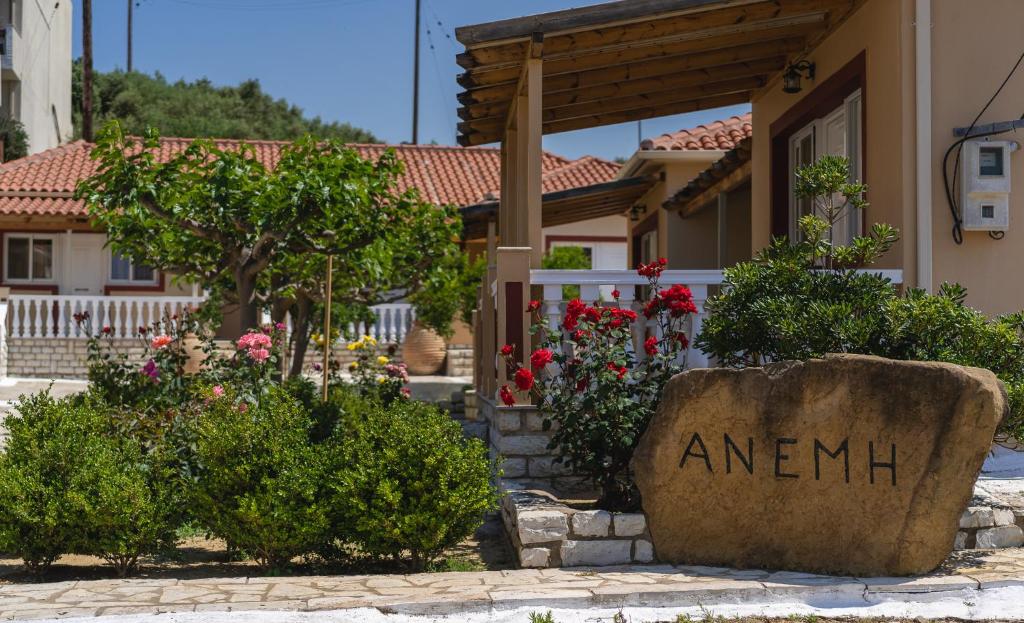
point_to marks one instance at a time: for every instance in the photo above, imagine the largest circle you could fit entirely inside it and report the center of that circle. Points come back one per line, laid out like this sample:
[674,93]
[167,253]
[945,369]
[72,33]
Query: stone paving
[471,592]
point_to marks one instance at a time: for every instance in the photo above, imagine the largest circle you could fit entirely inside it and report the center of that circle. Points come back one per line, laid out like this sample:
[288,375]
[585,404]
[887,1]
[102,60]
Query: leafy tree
[566,258]
[12,133]
[258,237]
[200,109]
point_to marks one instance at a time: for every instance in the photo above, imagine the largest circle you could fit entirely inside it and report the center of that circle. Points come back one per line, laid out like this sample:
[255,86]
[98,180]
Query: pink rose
[218,391]
[259,354]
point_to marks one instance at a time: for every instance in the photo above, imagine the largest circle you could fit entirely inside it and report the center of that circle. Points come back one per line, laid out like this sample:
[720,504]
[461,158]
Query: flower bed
[264,465]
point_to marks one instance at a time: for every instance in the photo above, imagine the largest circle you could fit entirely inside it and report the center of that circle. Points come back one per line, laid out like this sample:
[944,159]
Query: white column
[695,358]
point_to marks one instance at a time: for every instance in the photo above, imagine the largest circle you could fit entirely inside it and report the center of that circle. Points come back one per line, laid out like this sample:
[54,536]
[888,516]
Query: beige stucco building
[885,83]
[887,93]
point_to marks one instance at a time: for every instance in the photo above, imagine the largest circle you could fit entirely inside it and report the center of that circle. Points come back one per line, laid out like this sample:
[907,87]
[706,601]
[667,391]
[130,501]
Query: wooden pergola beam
[626,104]
[668,66]
[639,33]
[467,139]
[689,42]
[639,87]
[725,184]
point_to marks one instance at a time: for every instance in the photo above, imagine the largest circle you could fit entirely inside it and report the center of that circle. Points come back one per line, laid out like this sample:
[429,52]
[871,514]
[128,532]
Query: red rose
[616,294]
[506,396]
[533,306]
[582,385]
[524,379]
[540,358]
[684,341]
[619,370]
[651,346]
[573,309]
[506,350]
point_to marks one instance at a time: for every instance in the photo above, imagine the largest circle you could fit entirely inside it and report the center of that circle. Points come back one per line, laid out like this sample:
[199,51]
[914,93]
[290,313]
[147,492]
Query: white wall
[40,69]
[606,236]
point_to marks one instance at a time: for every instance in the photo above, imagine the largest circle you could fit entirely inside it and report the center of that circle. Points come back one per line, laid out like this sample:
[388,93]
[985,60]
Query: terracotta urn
[423,350]
[196,356]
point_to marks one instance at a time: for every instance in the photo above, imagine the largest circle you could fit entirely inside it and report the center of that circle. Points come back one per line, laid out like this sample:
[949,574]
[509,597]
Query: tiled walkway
[453,593]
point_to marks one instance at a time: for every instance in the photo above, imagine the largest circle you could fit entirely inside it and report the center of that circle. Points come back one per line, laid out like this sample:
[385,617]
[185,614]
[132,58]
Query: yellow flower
[351,346]
[353,366]
[382,360]
[380,380]
[368,339]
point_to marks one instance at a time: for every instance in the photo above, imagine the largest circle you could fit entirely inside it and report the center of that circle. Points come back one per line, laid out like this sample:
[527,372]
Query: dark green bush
[258,485]
[806,299]
[70,483]
[942,327]
[404,480]
[131,503]
[40,469]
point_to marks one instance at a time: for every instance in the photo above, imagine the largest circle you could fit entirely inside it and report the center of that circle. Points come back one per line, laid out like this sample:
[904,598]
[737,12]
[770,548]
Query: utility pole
[130,35]
[87,70]
[416,81]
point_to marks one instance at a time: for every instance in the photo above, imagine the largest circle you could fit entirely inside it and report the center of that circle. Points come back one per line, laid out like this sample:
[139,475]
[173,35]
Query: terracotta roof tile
[457,175]
[723,134]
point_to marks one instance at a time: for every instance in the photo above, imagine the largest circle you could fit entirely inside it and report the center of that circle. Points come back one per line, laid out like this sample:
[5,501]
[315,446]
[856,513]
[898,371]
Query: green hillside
[200,109]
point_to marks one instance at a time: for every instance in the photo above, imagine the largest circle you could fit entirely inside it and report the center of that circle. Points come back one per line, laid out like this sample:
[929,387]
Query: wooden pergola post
[519,212]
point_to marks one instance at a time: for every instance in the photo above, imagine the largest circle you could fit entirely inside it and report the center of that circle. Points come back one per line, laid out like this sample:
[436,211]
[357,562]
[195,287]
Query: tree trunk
[300,332]
[248,308]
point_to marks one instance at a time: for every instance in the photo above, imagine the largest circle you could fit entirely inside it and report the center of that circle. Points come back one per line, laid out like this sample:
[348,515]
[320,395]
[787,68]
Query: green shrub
[258,485]
[405,480]
[47,450]
[344,400]
[131,505]
[942,327]
[71,482]
[567,258]
[805,299]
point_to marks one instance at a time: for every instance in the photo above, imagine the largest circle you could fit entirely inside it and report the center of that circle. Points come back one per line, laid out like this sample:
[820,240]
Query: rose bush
[375,373]
[596,387]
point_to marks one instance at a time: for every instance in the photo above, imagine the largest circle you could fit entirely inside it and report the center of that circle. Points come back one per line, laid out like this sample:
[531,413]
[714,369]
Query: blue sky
[345,60]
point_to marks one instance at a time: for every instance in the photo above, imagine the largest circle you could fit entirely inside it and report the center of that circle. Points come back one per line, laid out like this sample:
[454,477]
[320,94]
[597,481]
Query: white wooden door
[87,273]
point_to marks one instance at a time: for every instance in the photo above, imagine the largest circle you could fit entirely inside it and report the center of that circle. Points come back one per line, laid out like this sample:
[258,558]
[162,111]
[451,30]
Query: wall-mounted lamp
[635,211]
[794,72]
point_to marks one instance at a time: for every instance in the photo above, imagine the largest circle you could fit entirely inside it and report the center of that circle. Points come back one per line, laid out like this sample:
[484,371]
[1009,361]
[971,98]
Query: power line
[232,5]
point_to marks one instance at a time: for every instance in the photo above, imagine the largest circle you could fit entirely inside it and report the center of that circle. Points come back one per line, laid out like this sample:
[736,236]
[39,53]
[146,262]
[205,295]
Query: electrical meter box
[985,171]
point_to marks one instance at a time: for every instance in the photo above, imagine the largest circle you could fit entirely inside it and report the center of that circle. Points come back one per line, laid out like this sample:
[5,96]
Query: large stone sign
[848,464]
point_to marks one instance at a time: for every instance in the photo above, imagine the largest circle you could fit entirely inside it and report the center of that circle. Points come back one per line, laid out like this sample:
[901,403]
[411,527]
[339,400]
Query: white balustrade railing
[53,315]
[392,323]
[594,283]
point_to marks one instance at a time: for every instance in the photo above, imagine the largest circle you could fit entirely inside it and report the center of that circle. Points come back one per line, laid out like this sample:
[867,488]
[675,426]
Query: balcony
[8,41]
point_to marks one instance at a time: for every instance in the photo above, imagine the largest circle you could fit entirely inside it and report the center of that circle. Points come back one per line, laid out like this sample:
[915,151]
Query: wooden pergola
[600,65]
[634,59]
[563,207]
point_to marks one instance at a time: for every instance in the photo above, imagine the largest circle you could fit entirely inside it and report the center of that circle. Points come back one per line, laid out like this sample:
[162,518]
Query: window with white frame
[29,257]
[123,270]
[837,133]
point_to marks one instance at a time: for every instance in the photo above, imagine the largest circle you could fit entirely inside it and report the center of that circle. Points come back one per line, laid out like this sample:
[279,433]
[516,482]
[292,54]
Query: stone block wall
[516,434]
[988,527]
[459,361]
[547,533]
[57,358]
[65,358]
